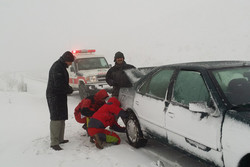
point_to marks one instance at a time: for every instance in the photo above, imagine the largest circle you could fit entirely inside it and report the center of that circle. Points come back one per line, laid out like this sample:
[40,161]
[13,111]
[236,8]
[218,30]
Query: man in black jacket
[57,90]
[116,77]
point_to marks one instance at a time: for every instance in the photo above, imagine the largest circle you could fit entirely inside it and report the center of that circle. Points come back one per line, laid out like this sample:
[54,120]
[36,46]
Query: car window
[157,85]
[190,87]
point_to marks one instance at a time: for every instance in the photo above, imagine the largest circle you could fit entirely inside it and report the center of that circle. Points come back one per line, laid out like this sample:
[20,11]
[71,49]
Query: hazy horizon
[36,33]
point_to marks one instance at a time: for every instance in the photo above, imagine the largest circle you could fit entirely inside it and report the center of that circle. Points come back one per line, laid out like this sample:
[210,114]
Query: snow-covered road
[24,130]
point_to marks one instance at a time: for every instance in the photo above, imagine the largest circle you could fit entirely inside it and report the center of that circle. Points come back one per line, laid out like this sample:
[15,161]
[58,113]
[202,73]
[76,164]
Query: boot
[64,141]
[84,126]
[91,140]
[98,142]
[56,147]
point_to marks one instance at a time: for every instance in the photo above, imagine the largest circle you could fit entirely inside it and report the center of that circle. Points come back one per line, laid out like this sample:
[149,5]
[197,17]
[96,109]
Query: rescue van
[87,74]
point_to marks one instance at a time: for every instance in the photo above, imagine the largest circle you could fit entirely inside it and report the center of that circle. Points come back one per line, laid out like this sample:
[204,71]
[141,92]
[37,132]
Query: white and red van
[87,74]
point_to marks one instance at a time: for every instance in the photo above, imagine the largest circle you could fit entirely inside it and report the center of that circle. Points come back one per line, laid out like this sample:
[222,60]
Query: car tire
[134,133]
[245,161]
[83,91]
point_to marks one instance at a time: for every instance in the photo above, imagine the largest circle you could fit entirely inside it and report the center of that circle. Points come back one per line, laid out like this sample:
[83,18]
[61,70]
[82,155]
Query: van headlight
[91,79]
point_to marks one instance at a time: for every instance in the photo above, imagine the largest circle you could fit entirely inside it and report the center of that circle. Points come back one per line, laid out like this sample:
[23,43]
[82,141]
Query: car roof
[209,64]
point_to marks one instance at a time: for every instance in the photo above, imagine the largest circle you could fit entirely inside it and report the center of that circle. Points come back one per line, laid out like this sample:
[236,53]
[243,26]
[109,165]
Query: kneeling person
[88,106]
[106,116]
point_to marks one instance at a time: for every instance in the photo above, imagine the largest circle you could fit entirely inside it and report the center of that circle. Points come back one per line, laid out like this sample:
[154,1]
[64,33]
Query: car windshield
[91,63]
[235,84]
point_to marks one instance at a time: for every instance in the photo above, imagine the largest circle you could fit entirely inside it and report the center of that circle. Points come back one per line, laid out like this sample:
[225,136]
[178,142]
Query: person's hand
[70,90]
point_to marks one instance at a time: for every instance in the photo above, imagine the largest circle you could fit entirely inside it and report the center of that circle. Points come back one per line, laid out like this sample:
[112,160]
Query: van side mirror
[72,69]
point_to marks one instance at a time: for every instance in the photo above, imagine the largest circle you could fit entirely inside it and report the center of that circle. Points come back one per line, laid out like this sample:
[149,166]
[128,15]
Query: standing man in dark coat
[57,90]
[116,77]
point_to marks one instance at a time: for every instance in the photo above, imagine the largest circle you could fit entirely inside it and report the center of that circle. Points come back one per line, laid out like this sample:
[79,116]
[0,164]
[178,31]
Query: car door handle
[170,114]
[137,102]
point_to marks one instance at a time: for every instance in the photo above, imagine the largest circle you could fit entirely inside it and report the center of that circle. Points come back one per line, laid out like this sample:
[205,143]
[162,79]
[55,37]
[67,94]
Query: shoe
[91,140]
[56,147]
[84,126]
[98,142]
[64,141]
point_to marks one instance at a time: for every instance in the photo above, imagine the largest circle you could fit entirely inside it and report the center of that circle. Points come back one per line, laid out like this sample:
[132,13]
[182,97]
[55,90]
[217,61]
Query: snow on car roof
[210,64]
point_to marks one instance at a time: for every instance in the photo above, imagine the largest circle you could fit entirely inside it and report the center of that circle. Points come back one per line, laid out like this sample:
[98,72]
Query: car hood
[240,115]
[135,74]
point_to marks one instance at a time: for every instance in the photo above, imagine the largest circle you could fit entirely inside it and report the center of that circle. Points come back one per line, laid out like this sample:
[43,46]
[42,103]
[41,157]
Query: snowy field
[24,130]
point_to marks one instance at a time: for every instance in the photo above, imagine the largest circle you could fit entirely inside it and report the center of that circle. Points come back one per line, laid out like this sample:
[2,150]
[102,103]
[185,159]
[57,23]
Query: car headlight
[91,79]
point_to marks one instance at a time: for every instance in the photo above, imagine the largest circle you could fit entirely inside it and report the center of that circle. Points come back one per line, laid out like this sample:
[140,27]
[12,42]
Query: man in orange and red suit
[88,106]
[107,115]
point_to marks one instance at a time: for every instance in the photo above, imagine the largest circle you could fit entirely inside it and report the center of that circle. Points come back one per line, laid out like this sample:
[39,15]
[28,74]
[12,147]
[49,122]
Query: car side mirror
[110,65]
[198,107]
[202,107]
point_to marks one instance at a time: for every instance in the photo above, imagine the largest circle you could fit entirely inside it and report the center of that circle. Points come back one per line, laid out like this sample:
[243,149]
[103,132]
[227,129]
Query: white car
[202,108]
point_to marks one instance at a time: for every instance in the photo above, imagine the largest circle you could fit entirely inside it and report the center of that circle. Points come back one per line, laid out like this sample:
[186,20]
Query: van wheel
[134,133]
[82,91]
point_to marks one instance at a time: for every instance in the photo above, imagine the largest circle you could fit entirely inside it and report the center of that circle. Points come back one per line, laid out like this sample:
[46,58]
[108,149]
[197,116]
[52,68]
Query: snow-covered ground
[35,33]
[24,130]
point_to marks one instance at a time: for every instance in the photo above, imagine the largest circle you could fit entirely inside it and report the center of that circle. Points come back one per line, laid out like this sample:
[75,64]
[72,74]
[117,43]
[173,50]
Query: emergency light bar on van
[83,51]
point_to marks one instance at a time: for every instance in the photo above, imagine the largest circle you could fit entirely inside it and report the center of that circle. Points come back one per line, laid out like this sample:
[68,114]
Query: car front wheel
[134,133]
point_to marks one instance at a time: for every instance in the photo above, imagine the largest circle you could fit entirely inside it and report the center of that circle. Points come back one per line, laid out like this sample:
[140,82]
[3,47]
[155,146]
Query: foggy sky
[35,33]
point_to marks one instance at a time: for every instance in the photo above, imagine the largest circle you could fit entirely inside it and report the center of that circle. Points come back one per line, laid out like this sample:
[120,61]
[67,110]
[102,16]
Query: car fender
[126,97]
[234,146]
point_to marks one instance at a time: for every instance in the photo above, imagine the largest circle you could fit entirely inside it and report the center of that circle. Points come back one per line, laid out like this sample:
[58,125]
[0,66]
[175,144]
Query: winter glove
[86,112]
[118,128]
[70,90]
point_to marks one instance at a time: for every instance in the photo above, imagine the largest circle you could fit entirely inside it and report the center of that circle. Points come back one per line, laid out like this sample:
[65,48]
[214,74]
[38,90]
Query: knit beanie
[118,55]
[68,57]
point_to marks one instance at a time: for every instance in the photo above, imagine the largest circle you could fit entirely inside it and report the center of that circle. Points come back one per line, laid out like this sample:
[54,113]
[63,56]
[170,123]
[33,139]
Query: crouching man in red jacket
[88,106]
[107,116]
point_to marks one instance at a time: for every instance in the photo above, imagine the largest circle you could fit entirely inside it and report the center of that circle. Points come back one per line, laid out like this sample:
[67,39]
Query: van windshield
[91,63]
